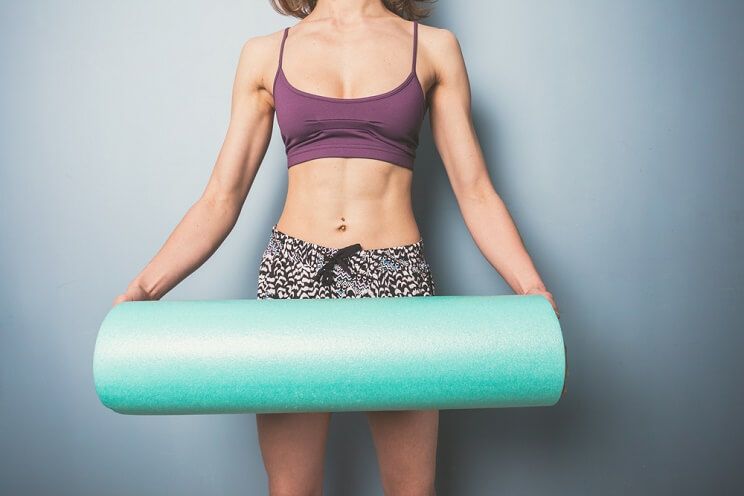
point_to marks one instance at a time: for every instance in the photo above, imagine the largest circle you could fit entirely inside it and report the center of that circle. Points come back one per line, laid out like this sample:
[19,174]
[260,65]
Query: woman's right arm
[211,218]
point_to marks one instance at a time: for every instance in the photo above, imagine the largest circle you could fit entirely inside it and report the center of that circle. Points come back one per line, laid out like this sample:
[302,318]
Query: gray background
[613,131]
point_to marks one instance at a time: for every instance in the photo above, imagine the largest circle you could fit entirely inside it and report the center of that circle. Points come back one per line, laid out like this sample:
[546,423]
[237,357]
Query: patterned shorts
[294,268]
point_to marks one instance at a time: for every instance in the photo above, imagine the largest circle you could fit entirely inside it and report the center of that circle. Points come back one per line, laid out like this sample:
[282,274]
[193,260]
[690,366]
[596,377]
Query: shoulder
[440,40]
[262,46]
[442,48]
[441,44]
[259,57]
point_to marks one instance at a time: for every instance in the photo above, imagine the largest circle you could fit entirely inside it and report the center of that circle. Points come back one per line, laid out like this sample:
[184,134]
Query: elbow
[477,188]
[225,202]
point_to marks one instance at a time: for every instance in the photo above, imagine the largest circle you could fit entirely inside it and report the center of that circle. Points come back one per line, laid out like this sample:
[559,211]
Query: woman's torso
[335,201]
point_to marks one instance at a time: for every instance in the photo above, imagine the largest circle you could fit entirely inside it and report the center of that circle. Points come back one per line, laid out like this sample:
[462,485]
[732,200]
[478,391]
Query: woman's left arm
[483,210]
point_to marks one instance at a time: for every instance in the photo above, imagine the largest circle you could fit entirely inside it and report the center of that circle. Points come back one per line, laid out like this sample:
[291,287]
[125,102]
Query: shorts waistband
[313,252]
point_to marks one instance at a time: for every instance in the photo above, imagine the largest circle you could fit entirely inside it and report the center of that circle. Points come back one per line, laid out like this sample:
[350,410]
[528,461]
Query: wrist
[140,289]
[532,287]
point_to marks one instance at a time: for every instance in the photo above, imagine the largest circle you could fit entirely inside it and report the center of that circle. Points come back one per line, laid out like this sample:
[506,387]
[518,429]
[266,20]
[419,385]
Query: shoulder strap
[281,48]
[415,44]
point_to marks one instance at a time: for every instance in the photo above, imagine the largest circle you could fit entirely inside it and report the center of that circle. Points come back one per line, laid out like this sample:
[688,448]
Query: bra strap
[281,48]
[415,44]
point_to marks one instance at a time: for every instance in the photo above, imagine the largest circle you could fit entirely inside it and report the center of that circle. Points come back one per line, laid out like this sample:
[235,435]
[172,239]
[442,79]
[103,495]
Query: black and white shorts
[294,268]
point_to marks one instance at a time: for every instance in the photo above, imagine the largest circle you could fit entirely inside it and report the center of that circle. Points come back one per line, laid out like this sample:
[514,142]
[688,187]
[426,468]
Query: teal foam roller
[329,354]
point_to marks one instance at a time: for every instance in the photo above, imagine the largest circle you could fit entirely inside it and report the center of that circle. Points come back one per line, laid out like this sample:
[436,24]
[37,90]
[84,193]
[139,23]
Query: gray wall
[613,130]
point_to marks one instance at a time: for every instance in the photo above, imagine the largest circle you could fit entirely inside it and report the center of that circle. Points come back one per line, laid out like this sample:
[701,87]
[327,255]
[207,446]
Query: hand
[546,294]
[133,293]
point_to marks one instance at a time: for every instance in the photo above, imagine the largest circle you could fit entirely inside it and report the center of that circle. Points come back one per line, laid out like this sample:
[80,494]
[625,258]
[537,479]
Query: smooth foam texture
[344,354]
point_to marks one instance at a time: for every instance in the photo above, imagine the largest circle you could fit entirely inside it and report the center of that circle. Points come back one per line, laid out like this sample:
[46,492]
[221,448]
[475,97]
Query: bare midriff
[336,202]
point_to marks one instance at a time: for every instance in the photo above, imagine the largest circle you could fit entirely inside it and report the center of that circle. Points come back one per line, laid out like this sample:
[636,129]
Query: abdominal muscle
[336,202]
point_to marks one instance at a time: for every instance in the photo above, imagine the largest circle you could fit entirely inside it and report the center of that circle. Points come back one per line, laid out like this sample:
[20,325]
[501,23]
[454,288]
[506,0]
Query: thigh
[406,443]
[293,448]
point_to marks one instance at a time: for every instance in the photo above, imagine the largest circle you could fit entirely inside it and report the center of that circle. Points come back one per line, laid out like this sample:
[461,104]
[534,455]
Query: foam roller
[329,354]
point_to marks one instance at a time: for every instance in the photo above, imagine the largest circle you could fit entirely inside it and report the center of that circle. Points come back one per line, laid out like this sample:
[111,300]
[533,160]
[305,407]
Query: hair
[407,9]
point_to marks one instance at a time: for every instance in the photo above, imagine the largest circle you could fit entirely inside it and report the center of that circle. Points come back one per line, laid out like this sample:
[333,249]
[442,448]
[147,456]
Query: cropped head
[407,9]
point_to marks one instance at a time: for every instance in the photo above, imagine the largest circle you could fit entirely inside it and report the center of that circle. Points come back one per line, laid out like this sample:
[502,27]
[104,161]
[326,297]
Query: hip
[291,267]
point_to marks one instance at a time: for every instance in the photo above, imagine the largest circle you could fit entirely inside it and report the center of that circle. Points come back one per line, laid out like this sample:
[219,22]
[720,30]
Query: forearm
[497,237]
[201,231]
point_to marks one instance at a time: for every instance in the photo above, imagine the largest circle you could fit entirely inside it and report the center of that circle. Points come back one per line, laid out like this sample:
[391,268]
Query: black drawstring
[325,274]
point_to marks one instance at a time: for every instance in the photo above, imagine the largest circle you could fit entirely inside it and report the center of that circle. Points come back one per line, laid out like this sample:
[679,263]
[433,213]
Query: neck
[348,11]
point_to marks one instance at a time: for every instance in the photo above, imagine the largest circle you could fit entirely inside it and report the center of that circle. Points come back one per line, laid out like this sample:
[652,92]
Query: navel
[342,227]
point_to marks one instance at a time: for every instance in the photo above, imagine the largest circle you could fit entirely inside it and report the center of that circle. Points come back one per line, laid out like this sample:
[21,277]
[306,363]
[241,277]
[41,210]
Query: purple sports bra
[383,127]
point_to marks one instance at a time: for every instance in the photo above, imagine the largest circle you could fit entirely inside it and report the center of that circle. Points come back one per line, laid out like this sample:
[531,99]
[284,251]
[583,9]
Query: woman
[350,85]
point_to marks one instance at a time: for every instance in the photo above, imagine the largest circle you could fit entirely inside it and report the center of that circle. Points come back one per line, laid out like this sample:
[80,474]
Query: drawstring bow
[325,274]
